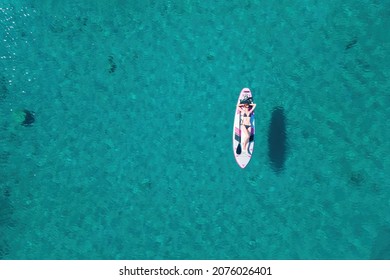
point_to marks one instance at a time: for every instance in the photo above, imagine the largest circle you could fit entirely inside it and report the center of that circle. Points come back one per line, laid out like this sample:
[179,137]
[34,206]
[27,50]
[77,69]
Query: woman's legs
[247,139]
[246,132]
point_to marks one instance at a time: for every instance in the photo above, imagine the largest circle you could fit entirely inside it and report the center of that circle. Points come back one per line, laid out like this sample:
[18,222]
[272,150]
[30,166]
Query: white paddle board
[243,157]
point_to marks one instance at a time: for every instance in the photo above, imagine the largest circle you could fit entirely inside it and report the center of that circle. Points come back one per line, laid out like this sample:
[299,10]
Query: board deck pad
[243,157]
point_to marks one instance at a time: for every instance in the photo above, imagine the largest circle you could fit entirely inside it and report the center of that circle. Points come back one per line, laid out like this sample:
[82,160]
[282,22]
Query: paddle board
[243,157]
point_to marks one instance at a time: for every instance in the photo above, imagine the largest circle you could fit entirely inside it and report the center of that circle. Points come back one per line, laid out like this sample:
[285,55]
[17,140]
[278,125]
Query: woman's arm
[253,108]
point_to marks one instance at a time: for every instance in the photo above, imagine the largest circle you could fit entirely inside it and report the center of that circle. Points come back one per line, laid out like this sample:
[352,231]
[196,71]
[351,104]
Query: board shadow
[277,140]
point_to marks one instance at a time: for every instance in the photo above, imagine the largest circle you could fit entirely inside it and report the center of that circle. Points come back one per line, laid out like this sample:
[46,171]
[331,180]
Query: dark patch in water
[351,44]
[7,192]
[112,64]
[3,88]
[82,21]
[29,118]
[277,140]
[357,178]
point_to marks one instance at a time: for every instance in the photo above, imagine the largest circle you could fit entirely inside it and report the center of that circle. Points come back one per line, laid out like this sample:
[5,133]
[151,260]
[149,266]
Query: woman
[246,108]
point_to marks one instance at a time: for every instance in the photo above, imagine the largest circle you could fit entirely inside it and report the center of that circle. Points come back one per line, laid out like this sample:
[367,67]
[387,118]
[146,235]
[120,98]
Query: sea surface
[127,153]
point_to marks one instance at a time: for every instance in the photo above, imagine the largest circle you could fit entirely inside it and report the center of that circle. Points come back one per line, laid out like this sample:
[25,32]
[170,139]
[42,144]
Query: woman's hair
[247,100]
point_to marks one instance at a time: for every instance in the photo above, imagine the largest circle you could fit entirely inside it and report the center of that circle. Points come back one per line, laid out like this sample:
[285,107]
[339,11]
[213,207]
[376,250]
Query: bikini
[246,126]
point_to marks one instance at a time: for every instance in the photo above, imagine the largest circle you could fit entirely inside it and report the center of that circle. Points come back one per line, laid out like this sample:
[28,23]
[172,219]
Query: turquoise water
[130,155]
